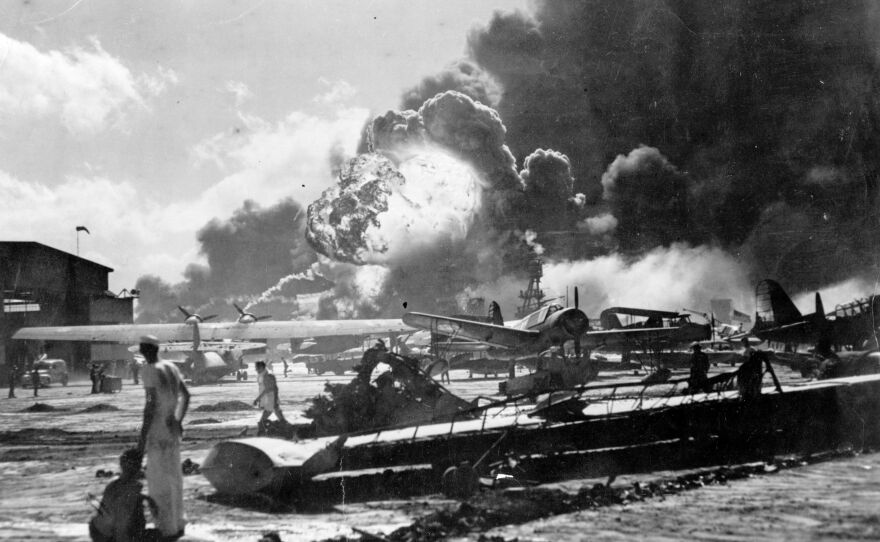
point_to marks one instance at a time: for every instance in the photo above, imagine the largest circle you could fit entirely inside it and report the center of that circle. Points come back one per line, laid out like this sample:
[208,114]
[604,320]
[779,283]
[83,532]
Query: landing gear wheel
[460,482]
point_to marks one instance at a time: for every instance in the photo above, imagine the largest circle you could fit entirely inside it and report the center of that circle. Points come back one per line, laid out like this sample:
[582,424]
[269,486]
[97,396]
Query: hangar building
[44,286]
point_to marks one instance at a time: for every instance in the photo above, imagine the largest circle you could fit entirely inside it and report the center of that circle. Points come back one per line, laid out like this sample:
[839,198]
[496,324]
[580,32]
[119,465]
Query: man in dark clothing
[93,376]
[35,379]
[699,377]
[372,357]
[120,516]
[13,374]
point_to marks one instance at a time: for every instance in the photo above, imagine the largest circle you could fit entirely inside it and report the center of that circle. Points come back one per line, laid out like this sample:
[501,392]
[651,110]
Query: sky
[142,121]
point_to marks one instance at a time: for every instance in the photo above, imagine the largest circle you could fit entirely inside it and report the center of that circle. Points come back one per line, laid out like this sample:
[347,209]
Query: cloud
[240,90]
[128,231]
[85,88]
[267,161]
[337,93]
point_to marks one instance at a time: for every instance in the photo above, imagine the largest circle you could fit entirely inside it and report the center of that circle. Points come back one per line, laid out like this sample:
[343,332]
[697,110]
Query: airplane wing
[626,336]
[479,331]
[291,329]
[211,346]
[121,333]
[299,329]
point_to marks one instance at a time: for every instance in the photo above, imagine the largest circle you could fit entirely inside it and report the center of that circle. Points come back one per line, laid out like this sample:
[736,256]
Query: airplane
[194,331]
[852,325]
[554,325]
[589,432]
[648,330]
[205,362]
[549,326]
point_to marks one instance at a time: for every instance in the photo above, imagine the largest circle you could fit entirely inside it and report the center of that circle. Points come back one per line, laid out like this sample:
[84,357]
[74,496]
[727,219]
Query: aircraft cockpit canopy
[538,317]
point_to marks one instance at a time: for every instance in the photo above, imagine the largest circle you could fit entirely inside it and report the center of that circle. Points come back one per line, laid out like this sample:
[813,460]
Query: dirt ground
[49,461]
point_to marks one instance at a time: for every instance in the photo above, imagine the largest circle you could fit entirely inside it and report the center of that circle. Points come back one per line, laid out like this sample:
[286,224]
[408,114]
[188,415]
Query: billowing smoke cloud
[463,77]
[439,203]
[650,200]
[713,147]
[246,255]
[769,113]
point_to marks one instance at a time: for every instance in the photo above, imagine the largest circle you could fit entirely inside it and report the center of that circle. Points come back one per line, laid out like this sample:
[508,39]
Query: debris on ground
[101,473]
[403,395]
[190,467]
[204,421]
[42,407]
[491,509]
[224,406]
[100,407]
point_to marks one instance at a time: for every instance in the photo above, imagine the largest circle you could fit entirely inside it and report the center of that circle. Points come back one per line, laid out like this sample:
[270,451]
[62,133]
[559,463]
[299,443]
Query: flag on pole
[83,228]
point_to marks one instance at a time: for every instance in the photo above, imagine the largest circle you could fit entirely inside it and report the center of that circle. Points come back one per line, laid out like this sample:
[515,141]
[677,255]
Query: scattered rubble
[204,421]
[491,509]
[190,467]
[42,407]
[224,406]
[100,407]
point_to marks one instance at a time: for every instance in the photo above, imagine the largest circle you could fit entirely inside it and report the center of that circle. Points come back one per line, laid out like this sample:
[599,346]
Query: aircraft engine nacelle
[565,325]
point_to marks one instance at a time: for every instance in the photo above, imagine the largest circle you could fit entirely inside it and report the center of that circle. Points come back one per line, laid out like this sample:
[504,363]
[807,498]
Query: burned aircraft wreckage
[435,441]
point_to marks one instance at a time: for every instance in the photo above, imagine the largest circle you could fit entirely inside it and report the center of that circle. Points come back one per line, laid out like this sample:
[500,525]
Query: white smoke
[834,295]
[598,225]
[670,278]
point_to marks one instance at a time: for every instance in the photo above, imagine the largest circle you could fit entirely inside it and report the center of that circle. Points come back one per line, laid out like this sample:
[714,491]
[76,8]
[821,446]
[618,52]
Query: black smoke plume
[246,255]
[749,101]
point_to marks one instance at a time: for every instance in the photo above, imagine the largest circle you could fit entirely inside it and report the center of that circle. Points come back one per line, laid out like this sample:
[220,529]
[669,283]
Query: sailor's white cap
[150,339]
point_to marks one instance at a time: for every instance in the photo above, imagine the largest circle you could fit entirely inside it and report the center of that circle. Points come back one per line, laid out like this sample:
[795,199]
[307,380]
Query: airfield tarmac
[49,461]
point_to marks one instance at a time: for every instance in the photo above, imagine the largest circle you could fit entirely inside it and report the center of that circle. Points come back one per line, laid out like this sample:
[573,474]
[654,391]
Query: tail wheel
[460,482]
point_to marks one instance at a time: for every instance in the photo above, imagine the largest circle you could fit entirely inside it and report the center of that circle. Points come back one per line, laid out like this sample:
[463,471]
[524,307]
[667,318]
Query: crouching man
[120,516]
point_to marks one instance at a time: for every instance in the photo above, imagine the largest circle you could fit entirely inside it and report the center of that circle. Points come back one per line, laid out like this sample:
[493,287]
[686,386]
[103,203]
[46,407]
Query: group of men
[13,375]
[120,515]
[749,376]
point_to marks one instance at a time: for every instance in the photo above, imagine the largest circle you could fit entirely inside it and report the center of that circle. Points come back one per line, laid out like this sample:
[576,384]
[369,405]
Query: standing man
[699,377]
[268,397]
[93,376]
[135,370]
[35,379]
[166,406]
[13,373]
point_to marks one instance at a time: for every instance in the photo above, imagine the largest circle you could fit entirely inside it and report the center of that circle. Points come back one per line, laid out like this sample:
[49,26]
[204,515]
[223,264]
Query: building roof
[41,246]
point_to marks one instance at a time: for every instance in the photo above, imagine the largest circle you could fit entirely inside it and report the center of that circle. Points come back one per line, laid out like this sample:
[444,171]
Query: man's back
[121,516]
[166,380]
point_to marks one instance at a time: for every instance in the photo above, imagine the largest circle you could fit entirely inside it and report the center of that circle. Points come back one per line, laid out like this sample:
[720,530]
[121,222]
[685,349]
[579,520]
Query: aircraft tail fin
[495,314]
[609,320]
[820,308]
[774,307]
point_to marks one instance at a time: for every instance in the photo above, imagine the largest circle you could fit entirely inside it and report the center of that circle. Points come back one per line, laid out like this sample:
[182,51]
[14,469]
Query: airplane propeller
[191,315]
[245,317]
